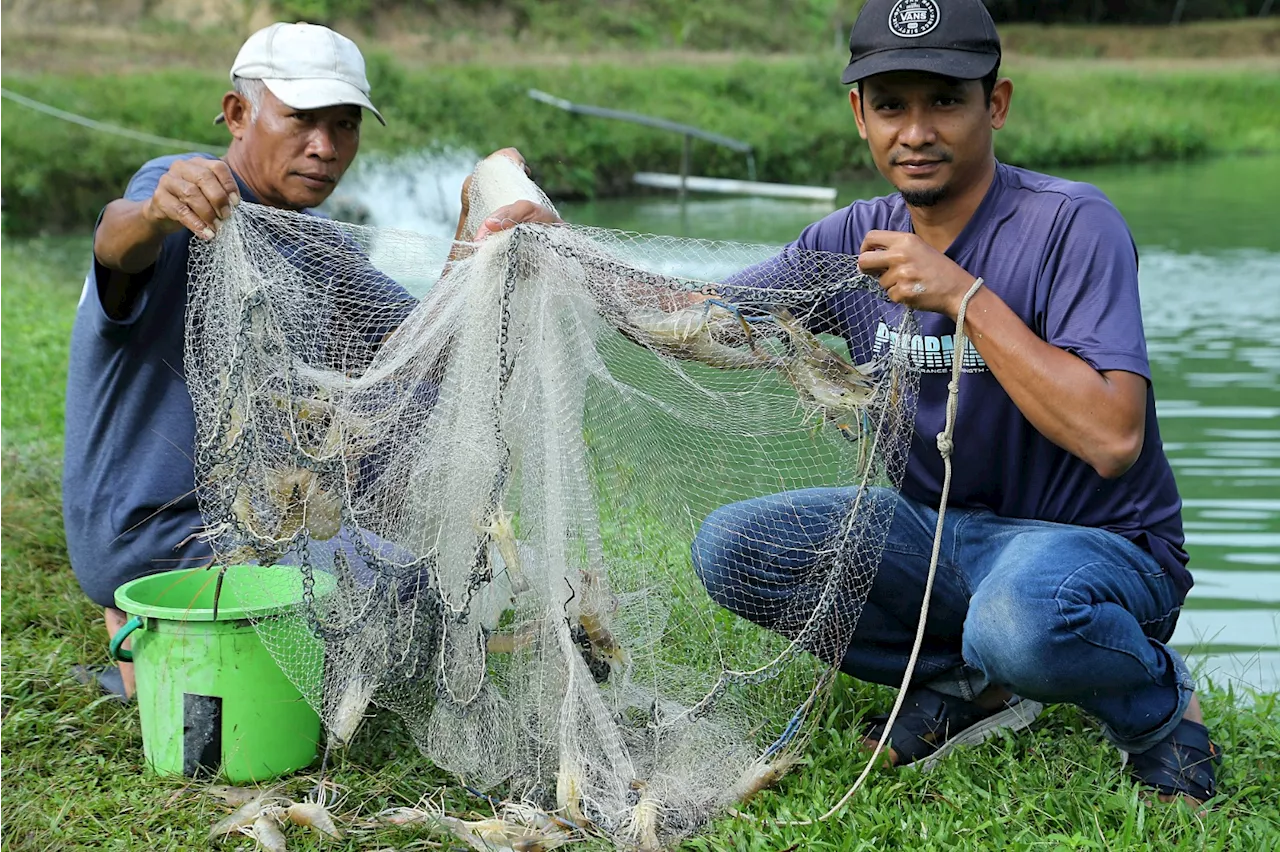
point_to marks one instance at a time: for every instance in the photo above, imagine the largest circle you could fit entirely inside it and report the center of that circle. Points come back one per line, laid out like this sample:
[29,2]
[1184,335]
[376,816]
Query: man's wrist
[958,295]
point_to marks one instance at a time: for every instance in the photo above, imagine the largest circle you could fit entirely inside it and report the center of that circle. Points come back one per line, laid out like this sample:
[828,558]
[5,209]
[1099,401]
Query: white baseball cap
[306,66]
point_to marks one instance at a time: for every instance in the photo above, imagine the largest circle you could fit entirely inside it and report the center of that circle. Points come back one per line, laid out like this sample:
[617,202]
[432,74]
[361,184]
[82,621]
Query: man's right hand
[196,194]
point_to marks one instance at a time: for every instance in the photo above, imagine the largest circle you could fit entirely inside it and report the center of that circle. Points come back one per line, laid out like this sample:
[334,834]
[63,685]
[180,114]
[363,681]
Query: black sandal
[107,678]
[931,724]
[1183,763]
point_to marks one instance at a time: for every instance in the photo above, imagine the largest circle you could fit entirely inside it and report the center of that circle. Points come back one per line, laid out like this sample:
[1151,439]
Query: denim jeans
[1052,612]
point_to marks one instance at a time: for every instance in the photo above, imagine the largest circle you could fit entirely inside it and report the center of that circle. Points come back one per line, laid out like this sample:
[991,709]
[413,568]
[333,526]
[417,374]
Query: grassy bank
[56,176]
[73,761]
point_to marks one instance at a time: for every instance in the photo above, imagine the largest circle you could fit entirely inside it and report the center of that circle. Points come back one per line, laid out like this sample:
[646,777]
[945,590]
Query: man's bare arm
[195,194]
[1099,417]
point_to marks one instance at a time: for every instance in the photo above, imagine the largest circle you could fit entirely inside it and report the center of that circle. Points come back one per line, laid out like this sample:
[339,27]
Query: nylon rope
[104,127]
[945,447]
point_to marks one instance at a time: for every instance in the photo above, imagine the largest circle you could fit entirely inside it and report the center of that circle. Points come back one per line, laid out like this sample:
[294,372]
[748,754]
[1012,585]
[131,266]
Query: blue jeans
[1052,612]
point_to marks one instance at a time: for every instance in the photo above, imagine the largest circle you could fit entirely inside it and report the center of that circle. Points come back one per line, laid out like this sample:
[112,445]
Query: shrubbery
[794,112]
[737,24]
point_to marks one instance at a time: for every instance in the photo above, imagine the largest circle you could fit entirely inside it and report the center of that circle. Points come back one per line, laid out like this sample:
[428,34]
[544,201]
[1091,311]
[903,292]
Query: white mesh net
[489,490]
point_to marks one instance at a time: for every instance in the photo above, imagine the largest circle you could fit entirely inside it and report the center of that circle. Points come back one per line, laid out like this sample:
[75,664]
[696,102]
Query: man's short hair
[252,91]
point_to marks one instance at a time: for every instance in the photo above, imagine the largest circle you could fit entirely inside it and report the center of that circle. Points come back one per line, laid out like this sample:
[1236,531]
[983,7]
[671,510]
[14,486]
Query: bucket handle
[124,655]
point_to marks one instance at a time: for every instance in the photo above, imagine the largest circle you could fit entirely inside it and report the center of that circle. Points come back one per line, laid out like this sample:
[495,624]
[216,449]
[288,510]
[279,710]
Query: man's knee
[715,554]
[1012,636]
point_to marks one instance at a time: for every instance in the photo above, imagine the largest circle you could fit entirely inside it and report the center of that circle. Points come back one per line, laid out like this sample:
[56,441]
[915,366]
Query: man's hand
[1098,417]
[196,194]
[510,154]
[504,217]
[914,273]
[516,214]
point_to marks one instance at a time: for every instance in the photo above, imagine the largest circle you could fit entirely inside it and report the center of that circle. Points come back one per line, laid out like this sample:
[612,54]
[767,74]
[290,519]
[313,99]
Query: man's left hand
[914,273]
[516,214]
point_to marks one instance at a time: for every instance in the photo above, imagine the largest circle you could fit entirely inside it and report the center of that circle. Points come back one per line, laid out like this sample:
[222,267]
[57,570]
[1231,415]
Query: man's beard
[924,197]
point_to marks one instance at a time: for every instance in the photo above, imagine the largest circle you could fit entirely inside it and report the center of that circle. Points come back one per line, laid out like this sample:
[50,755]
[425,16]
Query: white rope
[945,447]
[103,127]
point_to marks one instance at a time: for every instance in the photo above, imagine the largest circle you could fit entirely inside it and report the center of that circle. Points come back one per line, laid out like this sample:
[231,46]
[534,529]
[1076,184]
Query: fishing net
[481,477]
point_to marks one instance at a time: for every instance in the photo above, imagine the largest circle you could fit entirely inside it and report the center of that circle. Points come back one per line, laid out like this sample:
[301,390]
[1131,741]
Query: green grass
[793,110]
[74,777]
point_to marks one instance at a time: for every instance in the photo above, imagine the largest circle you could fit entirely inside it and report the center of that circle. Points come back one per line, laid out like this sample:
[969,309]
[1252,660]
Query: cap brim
[961,64]
[317,94]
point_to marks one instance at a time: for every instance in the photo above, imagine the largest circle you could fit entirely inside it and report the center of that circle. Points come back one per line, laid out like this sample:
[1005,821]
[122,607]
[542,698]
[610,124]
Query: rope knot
[945,446]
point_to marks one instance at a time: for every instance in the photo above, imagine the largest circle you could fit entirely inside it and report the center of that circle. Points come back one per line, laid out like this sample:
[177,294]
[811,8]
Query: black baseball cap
[955,38]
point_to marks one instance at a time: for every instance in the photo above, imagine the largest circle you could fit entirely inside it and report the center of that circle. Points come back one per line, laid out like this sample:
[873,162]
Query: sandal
[108,679]
[931,724]
[1183,763]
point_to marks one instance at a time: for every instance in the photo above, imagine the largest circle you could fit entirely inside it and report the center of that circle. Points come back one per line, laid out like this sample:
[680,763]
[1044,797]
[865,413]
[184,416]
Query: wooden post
[684,166]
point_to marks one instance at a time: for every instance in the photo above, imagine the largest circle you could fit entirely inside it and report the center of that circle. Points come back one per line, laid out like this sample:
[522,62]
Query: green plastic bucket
[210,696]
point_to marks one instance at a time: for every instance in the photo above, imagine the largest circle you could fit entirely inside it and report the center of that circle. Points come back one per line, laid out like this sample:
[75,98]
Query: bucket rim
[226,612]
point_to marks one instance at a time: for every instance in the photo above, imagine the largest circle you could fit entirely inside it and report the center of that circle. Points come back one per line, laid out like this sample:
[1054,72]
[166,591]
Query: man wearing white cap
[129,505]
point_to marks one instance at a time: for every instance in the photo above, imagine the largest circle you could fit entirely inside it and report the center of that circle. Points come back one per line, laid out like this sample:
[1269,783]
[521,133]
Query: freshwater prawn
[828,384]
[710,332]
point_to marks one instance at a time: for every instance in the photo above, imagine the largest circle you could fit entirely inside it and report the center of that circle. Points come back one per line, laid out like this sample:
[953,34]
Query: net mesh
[481,479]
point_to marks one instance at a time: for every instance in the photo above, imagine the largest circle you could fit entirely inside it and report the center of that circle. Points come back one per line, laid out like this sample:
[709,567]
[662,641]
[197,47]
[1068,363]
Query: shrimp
[266,830]
[234,796]
[759,776]
[502,534]
[600,649]
[314,815]
[405,816]
[820,376]
[569,790]
[697,333]
[301,501]
[242,817]
[494,833]
[519,829]
[510,643]
[600,640]
[321,428]
[349,713]
[642,824]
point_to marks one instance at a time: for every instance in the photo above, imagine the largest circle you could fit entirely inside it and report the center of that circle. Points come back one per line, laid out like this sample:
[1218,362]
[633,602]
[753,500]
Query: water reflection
[1211,321]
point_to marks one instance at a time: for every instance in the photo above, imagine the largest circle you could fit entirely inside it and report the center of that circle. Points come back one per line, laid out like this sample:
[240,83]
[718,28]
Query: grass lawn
[73,761]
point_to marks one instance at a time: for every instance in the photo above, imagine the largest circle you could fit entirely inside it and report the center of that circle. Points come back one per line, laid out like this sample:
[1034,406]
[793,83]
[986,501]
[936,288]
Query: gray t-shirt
[128,486]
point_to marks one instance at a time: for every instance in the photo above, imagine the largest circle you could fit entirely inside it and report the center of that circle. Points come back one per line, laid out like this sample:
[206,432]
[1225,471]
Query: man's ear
[1001,97]
[236,111]
[855,102]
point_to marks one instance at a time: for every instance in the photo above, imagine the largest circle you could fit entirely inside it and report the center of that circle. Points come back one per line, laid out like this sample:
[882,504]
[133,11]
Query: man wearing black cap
[1062,570]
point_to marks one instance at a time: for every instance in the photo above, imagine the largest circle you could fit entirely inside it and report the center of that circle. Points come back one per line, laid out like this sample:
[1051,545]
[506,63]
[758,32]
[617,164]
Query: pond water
[1210,284]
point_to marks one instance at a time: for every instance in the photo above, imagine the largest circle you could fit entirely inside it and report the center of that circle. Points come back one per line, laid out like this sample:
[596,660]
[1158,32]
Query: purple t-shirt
[1061,256]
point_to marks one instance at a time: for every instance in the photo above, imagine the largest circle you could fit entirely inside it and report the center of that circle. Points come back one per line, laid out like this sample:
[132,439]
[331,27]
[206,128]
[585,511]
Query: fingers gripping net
[483,499]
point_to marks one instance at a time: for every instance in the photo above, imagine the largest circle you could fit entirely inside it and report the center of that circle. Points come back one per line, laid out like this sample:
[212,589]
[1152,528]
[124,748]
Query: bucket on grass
[210,696]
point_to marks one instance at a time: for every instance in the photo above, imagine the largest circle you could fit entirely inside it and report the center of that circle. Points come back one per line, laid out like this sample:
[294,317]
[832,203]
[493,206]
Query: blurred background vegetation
[716,24]
[454,74]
